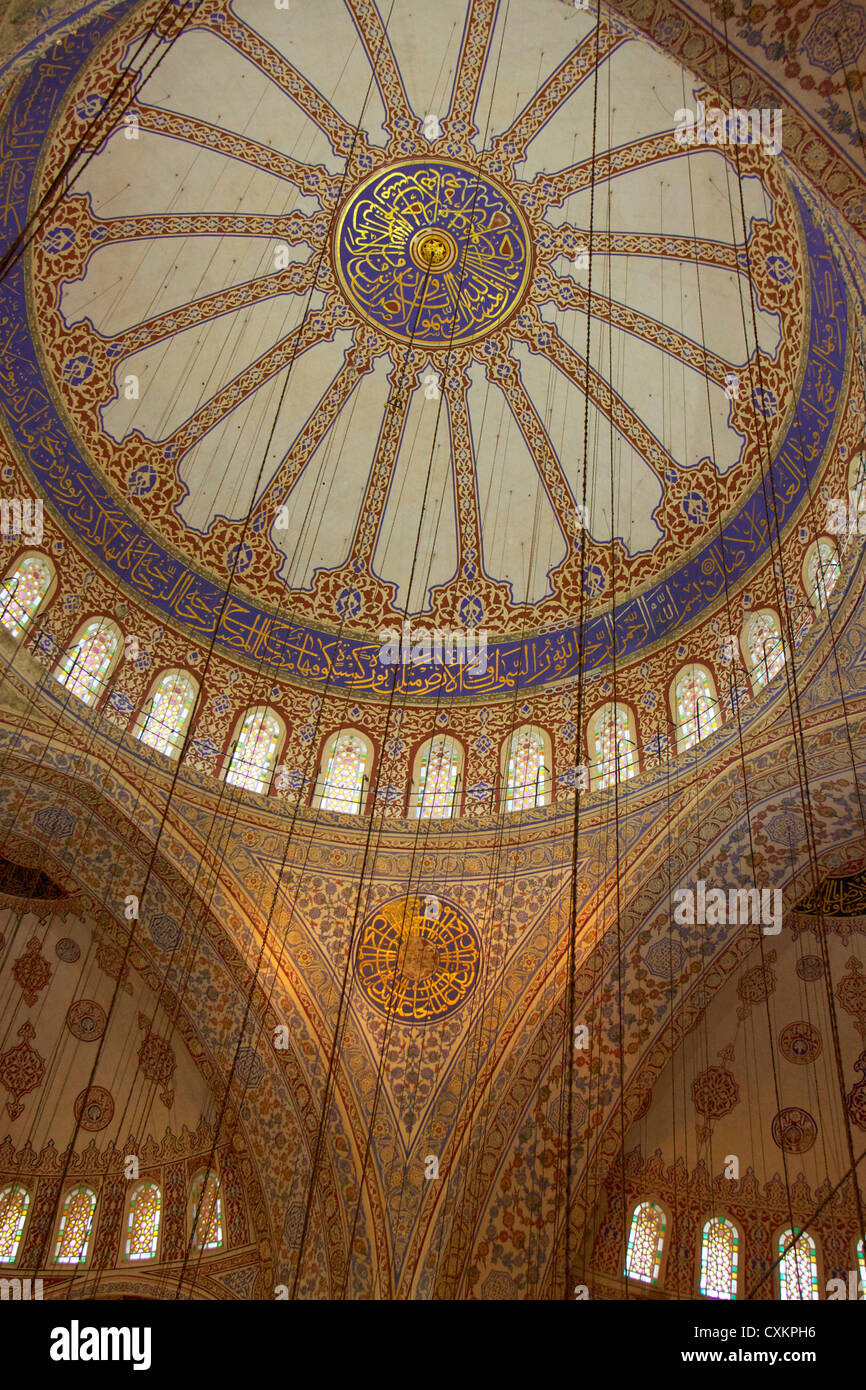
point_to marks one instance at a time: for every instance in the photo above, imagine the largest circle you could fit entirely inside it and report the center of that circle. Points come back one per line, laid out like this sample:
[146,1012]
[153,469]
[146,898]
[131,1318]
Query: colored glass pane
[615,750]
[437,779]
[719,1257]
[207,1214]
[823,572]
[344,779]
[84,667]
[14,1201]
[143,1225]
[798,1268]
[697,711]
[645,1243]
[169,713]
[22,593]
[861,1263]
[75,1226]
[527,776]
[255,752]
[766,649]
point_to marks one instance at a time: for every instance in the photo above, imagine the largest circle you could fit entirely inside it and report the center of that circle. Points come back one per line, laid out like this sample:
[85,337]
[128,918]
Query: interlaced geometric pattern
[75,1226]
[823,572]
[84,666]
[645,1243]
[525,787]
[169,712]
[615,750]
[719,1250]
[344,779]
[22,592]
[437,778]
[143,1225]
[798,1269]
[14,1201]
[697,711]
[209,1221]
[766,649]
[255,752]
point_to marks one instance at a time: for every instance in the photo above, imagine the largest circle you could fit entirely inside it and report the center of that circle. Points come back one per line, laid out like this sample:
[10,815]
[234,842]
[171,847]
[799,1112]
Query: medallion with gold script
[432,253]
[418,958]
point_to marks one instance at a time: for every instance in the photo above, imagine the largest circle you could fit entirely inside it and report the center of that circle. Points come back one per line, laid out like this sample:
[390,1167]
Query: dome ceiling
[321,330]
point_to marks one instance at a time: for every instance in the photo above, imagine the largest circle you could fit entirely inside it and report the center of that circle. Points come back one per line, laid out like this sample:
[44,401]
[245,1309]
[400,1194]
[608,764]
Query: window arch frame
[689,669]
[47,597]
[147,706]
[781,1233]
[745,647]
[415,796]
[104,680]
[544,797]
[139,1187]
[238,728]
[726,1219]
[203,1175]
[320,782]
[661,1244]
[813,591]
[22,1227]
[91,1229]
[592,729]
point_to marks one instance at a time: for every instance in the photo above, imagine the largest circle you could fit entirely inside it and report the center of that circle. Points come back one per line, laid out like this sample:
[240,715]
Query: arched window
[206,1213]
[142,1227]
[163,720]
[527,762]
[645,1240]
[798,1266]
[24,590]
[764,646]
[719,1258]
[76,1224]
[85,666]
[821,570]
[614,745]
[696,708]
[346,768]
[256,749]
[14,1204]
[436,779]
[860,1252]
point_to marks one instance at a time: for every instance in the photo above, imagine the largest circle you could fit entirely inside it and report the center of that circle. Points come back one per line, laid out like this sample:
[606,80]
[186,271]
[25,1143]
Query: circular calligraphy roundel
[418,958]
[432,253]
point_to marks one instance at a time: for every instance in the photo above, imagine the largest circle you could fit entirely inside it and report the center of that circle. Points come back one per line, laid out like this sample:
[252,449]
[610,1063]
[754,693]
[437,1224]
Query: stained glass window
[84,667]
[142,1231]
[527,777]
[615,749]
[766,649]
[168,712]
[343,787]
[798,1268]
[645,1239]
[207,1213]
[255,753]
[76,1223]
[697,708]
[719,1255]
[823,573]
[438,775]
[14,1201]
[22,592]
[861,1265]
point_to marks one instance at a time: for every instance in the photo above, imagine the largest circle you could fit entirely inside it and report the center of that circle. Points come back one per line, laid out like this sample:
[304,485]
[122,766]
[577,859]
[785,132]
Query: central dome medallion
[432,253]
